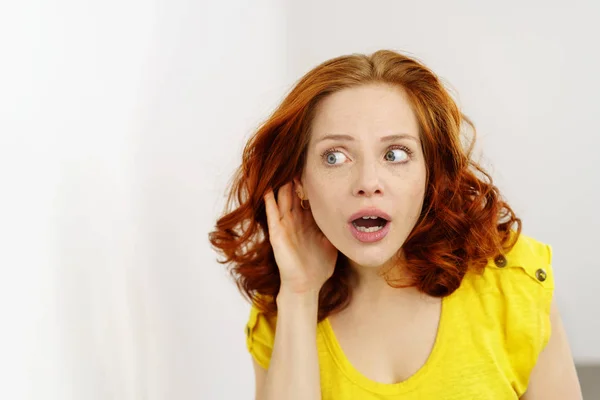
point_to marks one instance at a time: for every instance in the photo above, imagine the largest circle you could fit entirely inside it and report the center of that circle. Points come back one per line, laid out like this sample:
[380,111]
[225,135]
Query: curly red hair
[463,221]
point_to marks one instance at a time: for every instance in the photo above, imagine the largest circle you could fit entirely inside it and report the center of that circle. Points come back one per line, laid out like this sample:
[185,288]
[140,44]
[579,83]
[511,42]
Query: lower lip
[370,237]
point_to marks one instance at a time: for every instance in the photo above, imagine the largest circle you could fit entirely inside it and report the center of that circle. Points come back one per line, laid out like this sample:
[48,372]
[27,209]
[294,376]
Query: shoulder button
[541,275]
[500,261]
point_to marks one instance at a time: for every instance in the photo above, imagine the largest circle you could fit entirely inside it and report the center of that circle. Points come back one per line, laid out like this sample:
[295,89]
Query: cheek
[418,199]
[324,203]
[410,197]
[417,181]
[419,189]
[321,184]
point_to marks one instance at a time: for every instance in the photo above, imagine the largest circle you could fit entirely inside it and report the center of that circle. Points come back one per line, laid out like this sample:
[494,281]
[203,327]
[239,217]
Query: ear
[299,188]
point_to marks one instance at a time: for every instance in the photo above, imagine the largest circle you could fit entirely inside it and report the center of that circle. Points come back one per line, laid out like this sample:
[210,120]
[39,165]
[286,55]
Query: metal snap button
[500,261]
[541,275]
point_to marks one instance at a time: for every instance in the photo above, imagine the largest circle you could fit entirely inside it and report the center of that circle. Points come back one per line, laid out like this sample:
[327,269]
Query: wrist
[307,298]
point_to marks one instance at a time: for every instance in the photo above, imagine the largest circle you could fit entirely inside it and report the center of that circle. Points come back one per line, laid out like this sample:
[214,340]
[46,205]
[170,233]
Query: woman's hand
[304,256]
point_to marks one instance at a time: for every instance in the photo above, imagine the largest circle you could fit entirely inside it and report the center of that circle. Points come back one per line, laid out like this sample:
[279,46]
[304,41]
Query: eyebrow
[388,138]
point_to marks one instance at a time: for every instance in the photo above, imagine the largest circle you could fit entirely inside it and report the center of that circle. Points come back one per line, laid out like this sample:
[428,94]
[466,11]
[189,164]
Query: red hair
[463,221]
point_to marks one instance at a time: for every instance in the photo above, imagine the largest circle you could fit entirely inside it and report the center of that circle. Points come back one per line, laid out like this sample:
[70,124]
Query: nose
[368,182]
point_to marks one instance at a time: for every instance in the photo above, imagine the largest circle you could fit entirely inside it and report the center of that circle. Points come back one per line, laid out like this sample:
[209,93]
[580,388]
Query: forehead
[366,112]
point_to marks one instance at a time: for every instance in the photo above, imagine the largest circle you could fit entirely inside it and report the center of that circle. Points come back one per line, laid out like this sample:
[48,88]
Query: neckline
[404,386]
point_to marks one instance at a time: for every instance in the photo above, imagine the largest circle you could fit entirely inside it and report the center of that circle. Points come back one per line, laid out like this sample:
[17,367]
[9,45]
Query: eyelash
[398,147]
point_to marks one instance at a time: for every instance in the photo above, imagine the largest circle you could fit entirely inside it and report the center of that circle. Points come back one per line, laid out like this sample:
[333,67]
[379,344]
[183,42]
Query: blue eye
[394,155]
[391,157]
[330,157]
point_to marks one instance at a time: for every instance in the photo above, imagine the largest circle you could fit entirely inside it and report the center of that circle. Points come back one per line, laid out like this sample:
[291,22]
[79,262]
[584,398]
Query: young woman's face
[378,163]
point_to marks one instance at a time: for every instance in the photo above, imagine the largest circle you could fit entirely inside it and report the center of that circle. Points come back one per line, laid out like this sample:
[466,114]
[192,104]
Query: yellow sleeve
[529,291]
[260,335]
[547,295]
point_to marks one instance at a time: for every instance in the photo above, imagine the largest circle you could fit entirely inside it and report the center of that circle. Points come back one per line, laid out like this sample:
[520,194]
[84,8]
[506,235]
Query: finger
[272,210]
[284,199]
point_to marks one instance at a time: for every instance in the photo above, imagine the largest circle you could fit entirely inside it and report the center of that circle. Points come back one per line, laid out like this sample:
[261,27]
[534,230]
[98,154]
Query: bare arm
[554,376]
[294,367]
[305,259]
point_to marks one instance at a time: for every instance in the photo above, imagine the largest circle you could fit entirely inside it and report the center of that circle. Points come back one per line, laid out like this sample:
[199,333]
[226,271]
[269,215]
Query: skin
[365,171]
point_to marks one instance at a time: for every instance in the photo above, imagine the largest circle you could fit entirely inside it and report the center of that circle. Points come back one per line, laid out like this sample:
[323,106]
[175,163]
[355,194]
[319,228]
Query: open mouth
[369,224]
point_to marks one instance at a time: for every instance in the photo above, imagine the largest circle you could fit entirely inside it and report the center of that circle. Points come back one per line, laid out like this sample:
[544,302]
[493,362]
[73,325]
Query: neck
[370,286]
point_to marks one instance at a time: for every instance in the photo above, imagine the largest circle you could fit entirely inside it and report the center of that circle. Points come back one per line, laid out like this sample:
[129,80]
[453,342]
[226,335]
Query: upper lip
[371,211]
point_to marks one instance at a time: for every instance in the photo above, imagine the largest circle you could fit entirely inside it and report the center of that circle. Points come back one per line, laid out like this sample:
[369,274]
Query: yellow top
[491,331]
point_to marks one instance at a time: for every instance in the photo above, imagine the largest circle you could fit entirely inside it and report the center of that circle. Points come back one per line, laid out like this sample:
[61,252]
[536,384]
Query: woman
[380,259]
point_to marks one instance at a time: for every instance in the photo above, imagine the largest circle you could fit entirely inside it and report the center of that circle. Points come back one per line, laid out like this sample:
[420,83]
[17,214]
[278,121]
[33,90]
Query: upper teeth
[371,217]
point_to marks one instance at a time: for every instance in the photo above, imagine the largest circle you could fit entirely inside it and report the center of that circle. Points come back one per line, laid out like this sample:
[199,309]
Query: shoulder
[512,298]
[532,257]
[516,289]
[526,269]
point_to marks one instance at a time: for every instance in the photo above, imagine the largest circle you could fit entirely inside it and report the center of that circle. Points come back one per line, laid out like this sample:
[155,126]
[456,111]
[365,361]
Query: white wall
[70,78]
[212,74]
[121,122]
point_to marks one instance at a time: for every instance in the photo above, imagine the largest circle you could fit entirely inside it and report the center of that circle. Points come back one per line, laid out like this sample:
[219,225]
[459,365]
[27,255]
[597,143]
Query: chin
[369,258]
